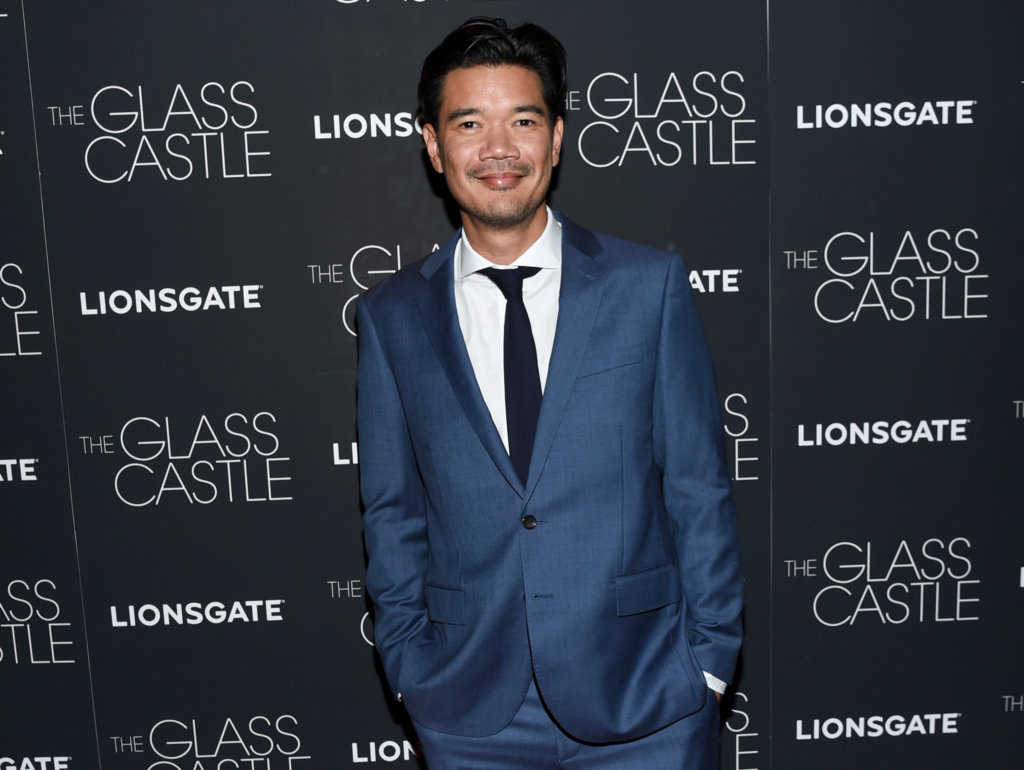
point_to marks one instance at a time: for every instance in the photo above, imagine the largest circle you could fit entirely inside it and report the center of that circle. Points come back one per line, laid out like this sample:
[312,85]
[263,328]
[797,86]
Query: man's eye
[525,122]
[468,124]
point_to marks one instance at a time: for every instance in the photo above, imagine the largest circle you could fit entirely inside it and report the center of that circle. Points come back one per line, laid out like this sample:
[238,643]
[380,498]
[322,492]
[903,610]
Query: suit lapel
[441,322]
[578,300]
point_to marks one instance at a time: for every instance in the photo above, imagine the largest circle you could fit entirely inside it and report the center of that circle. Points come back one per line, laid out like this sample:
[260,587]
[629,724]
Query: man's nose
[499,144]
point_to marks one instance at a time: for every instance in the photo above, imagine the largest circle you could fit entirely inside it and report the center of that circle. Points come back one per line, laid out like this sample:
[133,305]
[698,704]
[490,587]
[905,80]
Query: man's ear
[556,140]
[433,148]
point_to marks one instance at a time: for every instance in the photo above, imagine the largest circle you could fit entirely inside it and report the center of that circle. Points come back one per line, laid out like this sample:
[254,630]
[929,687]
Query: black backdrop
[193,195]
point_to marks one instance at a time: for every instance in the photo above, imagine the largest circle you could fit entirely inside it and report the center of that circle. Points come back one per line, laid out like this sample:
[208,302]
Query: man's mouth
[500,178]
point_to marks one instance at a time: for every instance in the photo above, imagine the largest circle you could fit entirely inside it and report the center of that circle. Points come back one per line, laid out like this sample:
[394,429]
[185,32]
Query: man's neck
[503,246]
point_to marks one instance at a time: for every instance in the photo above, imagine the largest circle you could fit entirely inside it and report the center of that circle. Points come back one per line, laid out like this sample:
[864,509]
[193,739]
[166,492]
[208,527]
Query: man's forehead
[488,83]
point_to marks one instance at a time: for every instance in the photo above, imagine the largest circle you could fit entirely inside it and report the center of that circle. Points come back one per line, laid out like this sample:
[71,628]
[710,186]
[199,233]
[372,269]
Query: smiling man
[552,553]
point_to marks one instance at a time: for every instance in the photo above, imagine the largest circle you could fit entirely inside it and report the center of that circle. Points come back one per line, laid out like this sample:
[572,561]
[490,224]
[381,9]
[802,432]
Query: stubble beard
[506,210]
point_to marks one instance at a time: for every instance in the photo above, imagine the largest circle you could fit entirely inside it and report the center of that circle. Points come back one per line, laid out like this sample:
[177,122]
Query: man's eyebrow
[466,112]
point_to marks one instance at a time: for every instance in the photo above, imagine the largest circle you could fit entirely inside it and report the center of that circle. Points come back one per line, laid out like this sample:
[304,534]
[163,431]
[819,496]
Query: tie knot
[510,282]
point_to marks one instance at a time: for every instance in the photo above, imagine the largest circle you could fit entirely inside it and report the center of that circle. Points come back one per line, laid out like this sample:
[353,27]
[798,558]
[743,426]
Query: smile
[500,179]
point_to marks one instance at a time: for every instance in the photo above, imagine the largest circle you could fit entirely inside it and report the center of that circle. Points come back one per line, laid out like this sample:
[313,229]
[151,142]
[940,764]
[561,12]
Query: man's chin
[504,218]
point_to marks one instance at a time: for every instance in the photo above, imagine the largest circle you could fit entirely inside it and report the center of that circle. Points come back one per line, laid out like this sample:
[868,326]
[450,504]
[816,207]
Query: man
[555,579]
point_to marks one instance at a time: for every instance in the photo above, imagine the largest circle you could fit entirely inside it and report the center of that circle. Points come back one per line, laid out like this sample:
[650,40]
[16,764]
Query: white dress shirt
[481,309]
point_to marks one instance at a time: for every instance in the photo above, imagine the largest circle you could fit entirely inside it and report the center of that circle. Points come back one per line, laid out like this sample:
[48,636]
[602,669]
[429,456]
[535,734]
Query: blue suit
[628,586]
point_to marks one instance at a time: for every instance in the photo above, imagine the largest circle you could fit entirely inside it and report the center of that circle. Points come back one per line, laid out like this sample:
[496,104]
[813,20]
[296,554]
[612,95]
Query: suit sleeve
[394,517]
[690,450]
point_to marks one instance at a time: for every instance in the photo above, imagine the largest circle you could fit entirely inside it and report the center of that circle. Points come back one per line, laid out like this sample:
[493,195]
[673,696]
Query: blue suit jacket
[629,585]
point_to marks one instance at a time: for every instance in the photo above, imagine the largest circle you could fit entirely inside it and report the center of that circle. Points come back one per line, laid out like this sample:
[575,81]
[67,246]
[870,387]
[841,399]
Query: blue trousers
[534,741]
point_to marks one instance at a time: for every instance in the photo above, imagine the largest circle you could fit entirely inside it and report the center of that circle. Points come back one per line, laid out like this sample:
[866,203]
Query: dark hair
[483,41]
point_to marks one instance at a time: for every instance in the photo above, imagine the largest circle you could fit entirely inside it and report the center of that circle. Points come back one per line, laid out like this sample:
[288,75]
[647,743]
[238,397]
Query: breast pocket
[609,359]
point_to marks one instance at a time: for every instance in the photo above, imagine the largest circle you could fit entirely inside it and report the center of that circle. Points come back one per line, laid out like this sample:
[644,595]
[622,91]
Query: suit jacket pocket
[613,358]
[645,591]
[446,604]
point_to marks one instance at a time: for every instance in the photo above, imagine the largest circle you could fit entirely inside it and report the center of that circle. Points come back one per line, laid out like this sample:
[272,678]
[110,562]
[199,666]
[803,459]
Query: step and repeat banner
[195,194]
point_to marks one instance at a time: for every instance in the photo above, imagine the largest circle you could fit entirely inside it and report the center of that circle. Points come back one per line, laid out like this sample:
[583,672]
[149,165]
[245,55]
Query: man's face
[495,144]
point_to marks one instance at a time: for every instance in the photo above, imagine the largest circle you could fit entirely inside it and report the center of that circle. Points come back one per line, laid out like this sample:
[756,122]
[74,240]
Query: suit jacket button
[529,521]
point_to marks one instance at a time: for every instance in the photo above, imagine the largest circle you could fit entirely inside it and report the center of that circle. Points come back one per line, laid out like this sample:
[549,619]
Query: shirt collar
[545,252]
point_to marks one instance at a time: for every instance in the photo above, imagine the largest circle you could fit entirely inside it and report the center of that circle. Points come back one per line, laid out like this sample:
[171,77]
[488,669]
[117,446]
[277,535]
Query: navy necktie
[522,379]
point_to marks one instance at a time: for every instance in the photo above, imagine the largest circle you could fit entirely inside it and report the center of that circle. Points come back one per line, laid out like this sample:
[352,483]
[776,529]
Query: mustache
[525,169]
